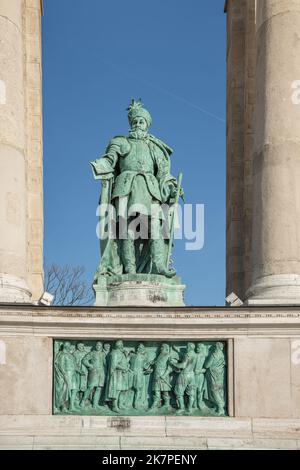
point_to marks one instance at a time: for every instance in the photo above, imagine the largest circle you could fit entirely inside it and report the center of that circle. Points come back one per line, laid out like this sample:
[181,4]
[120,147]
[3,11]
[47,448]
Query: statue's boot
[96,398]
[72,401]
[191,404]
[156,401]
[167,404]
[84,398]
[114,406]
[201,404]
[180,403]
[220,410]
[158,255]
[128,256]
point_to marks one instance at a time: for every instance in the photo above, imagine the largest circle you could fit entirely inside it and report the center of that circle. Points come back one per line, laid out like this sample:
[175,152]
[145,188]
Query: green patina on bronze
[129,378]
[136,179]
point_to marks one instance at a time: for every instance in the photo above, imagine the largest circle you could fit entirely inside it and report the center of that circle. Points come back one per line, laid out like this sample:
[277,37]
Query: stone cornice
[182,322]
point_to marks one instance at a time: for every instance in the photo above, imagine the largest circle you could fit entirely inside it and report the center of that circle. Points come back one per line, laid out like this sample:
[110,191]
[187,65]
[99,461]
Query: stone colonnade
[263,157]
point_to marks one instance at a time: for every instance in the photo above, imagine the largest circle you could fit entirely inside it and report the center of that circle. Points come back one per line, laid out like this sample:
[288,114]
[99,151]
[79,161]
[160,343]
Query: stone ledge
[279,428]
[52,432]
[251,444]
[155,323]
[208,427]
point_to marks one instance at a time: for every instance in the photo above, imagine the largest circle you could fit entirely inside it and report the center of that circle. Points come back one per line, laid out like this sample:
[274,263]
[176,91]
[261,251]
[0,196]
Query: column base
[13,289]
[277,289]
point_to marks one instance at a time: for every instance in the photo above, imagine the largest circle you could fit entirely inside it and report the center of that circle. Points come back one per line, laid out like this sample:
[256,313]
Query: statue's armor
[137,174]
[138,159]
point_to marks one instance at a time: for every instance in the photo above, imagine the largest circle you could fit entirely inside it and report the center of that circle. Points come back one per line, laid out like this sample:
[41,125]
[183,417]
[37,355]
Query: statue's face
[80,347]
[190,347]
[107,347]
[200,348]
[141,348]
[72,348]
[98,346]
[139,123]
[164,348]
[119,345]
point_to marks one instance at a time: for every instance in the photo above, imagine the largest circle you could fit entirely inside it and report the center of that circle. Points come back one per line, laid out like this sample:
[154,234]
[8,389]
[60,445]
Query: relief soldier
[215,376]
[161,385]
[118,371]
[95,364]
[79,354]
[66,369]
[140,367]
[200,374]
[185,383]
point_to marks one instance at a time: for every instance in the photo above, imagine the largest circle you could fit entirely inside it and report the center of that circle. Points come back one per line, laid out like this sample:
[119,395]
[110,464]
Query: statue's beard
[137,133]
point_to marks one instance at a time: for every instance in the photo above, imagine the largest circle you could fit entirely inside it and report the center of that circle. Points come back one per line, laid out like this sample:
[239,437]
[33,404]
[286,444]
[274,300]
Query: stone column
[236,54]
[276,164]
[13,197]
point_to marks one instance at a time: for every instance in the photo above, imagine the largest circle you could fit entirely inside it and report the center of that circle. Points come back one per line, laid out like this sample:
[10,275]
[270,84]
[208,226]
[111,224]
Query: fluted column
[276,164]
[13,197]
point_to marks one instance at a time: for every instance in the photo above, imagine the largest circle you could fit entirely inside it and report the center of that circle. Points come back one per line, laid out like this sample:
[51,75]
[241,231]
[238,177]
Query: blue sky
[97,55]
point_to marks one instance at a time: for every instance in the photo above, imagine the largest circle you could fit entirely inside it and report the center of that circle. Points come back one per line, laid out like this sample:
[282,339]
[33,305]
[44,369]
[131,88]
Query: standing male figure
[65,365]
[118,370]
[136,180]
[185,383]
[95,363]
[82,372]
[215,376]
[140,367]
[161,385]
[200,374]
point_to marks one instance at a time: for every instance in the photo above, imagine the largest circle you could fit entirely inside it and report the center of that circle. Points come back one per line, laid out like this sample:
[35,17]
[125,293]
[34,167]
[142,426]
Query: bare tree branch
[67,285]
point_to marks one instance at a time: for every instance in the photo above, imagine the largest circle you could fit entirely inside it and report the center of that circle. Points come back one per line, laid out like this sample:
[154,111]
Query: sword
[173,218]
[166,382]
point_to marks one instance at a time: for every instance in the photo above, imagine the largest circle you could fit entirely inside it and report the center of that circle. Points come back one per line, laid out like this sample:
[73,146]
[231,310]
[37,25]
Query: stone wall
[263,377]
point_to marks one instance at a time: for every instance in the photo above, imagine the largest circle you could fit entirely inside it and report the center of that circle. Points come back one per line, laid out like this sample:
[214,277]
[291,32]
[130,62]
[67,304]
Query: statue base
[140,290]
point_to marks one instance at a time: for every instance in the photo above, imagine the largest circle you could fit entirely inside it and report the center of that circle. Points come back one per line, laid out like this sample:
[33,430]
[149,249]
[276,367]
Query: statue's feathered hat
[136,109]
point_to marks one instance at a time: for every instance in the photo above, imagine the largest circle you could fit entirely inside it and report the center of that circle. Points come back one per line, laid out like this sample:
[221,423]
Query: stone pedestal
[143,290]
